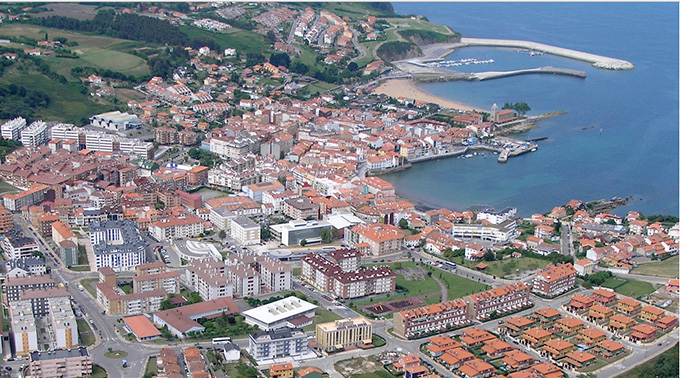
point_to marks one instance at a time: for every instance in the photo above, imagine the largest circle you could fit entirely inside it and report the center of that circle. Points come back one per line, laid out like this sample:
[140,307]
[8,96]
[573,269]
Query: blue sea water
[620,135]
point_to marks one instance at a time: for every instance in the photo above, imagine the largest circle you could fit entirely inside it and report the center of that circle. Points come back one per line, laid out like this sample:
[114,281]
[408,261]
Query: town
[226,218]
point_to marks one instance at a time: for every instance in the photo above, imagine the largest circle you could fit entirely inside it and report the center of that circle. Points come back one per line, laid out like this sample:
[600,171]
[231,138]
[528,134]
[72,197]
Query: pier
[489,75]
[597,61]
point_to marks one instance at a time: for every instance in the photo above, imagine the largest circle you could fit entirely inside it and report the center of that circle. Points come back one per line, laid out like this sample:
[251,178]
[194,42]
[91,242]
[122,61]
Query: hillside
[397,50]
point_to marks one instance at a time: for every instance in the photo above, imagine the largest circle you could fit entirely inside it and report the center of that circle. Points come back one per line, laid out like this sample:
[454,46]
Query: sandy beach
[407,88]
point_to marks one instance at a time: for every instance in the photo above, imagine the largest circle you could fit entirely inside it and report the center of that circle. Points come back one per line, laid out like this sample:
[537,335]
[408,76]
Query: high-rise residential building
[35,134]
[117,244]
[12,128]
[60,363]
[278,343]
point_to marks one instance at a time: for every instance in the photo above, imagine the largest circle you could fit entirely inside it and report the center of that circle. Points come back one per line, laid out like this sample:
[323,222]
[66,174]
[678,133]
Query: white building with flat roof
[12,128]
[278,314]
[35,134]
[23,327]
[63,321]
[245,231]
[293,232]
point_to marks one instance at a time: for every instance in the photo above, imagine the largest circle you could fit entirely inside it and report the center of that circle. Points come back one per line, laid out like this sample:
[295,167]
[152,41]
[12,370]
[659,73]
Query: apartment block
[12,128]
[35,134]
[329,277]
[278,343]
[12,287]
[554,280]
[431,319]
[166,281]
[343,333]
[63,323]
[117,244]
[6,220]
[32,196]
[500,300]
[245,231]
[60,363]
[185,226]
[381,238]
[208,277]
[23,327]
[115,302]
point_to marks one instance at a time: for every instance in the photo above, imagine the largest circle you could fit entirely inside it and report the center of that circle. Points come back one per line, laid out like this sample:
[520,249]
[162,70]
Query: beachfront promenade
[596,60]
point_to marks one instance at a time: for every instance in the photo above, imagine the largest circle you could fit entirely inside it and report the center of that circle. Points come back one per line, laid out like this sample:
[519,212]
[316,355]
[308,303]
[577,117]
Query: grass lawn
[407,23]
[86,335]
[6,188]
[297,272]
[151,368]
[629,287]
[375,374]
[242,40]
[89,285]
[666,362]
[98,372]
[116,354]
[458,286]
[127,288]
[67,104]
[666,268]
[501,268]
[322,316]
[319,86]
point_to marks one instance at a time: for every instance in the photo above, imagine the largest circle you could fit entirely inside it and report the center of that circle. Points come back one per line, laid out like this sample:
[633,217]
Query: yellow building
[341,334]
[281,371]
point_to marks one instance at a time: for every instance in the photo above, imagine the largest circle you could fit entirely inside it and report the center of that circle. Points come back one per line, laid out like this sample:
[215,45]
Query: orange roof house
[454,358]
[591,336]
[440,344]
[666,323]
[580,303]
[580,359]
[475,336]
[651,313]
[536,336]
[476,369]
[569,325]
[517,324]
[496,348]
[141,327]
[604,297]
[547,315]
[609,348]
[558,348]
[600,313]
[628,306]
[643,333]
[281,371]
[517,359]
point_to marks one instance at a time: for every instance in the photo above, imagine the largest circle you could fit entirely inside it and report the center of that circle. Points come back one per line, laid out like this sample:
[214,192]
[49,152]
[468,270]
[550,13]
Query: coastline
[407,88]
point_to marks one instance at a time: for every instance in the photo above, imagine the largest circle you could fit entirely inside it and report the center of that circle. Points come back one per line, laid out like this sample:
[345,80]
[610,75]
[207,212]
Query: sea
[619,136]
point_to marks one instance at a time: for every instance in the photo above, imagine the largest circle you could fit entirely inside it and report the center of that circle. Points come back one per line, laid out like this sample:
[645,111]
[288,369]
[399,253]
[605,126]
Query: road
[357,45]
[566,242]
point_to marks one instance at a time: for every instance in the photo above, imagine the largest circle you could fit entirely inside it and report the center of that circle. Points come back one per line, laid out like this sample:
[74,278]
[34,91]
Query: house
[476,368]
[406,362]
[441,344]
[628,306]
[536,337]
[598,313]
[643,333]
[604,297]
[281,371]
[666,323]
[591,336]
[547,315]
[496,348]
[579,359]
[517,359]
[517,324]
[609,349]
[558,348]
[620,323]
[580,303]
[569,326]
[584,267]
[456,357]
[651,313]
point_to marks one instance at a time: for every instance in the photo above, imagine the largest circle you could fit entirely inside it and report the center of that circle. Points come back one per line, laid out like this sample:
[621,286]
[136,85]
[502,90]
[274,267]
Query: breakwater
[542,70]
[597,61]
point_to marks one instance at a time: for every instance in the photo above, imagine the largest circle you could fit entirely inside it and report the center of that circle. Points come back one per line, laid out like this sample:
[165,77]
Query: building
[341,334]
[295,231]
[558,348]
[6,220]
[165,280]
[628,306]
[590,336]
[554,280]
[23,327]
[141,327]
[35,195]
[40,298]
[114,301]
[281,371]
[182,320]
[166,135]
[60,363]
[605,297]
[12,128]
[301,208]
[63,323]
[116,121]
[381,238]
[12,287]
[342,277]
[35,134]
[282,313]
[609,349]
[584,267]
[186,226]
[643,333]
[208,277]
[278,343]
[434,318]
[580,303]
[255,191]
[68,252]
[651,313]
[497,233]
[17,246]
[245,231]
[117,244]
[25,266]
[535,337]
[508,298]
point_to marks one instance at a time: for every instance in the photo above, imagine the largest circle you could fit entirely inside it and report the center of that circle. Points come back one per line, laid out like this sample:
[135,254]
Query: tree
[271,36]
[352,66]
[194,297]
[166,305]
[326,236]
[488,256]
[222,234]
[403,223]
[520,107]
[303,242]
[280,59]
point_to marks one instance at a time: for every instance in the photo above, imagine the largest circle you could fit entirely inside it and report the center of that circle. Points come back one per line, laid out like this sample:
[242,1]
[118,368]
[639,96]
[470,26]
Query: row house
[431,319]
[500,300]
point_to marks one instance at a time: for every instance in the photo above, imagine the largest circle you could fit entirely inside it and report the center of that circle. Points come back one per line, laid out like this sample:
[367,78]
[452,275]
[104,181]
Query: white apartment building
[117,244]
[65,131]
[63,321]
[208,277]
[35,134]
[220,217]
[23,327]
[12,128]
[245,231]
[493,232]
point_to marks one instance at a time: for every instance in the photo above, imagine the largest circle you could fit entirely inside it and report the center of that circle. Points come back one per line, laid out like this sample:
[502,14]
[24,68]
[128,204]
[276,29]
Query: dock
[597,61]
[489,75]
[503,157]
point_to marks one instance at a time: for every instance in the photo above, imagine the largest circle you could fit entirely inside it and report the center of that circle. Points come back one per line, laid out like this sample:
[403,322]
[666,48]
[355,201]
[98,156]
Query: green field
[67,104]
[89,285]
[87,337]
[98,372]
[242,40]
[629,287]
[5,188]
[458,286]
[663,366]
[408,23]
[151,367]
[666,268]
[95,51]
[505,267]
[322,316]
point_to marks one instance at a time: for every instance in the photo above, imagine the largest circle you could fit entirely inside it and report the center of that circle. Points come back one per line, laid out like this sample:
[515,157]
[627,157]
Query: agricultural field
[666,268]
[242,40]
[67,103]
[631,288]
[94,51]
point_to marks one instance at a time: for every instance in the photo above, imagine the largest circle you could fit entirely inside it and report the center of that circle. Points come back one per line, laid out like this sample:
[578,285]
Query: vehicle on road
[221,340]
